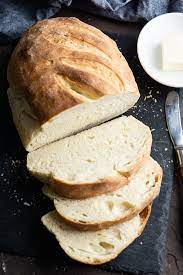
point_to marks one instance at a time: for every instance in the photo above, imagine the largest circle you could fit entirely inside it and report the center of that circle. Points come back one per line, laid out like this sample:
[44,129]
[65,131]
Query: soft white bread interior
[95,161]
[33,134]
[118,206]
[95,247]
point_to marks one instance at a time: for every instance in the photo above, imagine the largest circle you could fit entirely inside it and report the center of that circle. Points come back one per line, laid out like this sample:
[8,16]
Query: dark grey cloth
[128,10]
[18,15]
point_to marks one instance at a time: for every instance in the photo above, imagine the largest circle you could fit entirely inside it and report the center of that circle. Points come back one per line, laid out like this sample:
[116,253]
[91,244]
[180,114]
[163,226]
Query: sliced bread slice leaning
[95,247]
[95,161]
[114,207]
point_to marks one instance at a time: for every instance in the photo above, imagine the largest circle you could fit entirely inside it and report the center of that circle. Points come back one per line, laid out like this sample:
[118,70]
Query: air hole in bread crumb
[128,205]
[71,248]
[90,160]
[91,137]
[156,178]
[81,221]
[84,215]
[106,245]
[82,250]
[118,234]
[110,205]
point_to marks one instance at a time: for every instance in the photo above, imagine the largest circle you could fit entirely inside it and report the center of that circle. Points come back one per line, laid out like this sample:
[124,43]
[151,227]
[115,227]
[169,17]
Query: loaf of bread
[114,207]
[95,247]
[95,161]
[66,79]
[66,76]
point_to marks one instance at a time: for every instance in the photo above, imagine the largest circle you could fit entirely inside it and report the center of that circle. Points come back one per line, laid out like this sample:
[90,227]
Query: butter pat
[172,52]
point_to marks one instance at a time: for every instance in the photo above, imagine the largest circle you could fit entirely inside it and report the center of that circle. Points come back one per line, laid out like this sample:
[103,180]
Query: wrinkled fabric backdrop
[17,15]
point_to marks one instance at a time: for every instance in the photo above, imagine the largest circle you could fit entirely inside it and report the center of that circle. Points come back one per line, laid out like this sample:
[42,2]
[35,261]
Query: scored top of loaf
[61,62]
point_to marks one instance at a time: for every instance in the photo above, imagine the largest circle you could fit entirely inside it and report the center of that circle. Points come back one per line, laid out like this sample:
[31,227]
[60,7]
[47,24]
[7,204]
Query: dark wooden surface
[13,265]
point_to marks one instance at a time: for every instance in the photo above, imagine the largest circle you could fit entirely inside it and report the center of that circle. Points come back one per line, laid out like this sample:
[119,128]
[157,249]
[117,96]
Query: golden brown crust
[86,190]
[62,62]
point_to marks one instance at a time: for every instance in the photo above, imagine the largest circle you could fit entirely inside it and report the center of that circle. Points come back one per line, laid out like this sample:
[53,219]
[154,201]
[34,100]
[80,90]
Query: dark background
[32,200]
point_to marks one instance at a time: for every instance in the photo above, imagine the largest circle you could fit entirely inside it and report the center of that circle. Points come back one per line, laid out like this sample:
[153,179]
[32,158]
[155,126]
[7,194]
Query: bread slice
[96,247]
[93,162]
[114,207]
[83,116]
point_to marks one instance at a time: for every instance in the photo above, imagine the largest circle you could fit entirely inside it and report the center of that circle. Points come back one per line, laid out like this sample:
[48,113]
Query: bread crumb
[149,96]
[3,265]
[27,204]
